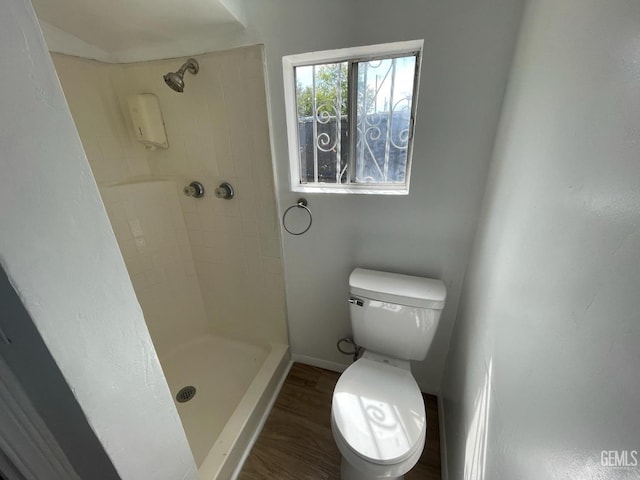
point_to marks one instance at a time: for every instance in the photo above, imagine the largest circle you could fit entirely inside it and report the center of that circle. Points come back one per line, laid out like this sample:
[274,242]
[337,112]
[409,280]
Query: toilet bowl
[378,417]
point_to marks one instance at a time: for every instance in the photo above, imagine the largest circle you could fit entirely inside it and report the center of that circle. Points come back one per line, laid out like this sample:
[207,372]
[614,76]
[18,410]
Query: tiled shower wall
[217,131]
[150,229]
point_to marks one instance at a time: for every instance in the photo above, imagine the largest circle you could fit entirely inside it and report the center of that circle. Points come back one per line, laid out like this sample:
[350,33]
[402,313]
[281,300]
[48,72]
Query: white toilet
[377,415]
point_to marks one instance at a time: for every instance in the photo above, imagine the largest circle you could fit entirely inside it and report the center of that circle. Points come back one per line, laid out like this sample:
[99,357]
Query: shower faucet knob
[225,190]
[194,189]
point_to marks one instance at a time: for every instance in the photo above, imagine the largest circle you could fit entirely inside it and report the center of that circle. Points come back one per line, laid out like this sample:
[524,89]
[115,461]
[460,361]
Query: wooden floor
[296,442]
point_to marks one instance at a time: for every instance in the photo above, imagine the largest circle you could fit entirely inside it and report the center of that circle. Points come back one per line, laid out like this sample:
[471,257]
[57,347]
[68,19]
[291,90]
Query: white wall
[33,367]
[543,372]
[70,44]
[468,49]
[59,252]
[467,55]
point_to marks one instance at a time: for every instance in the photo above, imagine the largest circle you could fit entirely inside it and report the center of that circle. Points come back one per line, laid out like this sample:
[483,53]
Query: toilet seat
[378,412]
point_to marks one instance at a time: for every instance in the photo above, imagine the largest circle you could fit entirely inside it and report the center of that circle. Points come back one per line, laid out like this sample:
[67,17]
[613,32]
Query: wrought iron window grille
[350,116]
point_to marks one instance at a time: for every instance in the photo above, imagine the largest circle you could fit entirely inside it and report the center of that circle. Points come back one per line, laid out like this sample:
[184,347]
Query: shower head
[175,80]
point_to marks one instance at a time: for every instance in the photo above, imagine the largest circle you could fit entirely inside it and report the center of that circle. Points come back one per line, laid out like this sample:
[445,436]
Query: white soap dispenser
[148,125]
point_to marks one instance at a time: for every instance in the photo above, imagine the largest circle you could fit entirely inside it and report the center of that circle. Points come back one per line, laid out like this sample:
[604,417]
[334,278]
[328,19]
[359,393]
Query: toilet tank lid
[397,288]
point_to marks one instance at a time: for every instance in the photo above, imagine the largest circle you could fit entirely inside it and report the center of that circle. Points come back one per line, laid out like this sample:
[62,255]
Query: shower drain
[186,393]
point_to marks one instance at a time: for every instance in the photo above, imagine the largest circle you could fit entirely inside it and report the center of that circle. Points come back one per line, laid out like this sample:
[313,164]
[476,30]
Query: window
[350,118]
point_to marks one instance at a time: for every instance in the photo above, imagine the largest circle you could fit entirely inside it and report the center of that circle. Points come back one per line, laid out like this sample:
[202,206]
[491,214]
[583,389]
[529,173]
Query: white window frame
[334,56]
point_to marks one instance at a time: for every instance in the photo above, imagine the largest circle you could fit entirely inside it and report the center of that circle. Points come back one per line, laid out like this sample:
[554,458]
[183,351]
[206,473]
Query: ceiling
[117,25]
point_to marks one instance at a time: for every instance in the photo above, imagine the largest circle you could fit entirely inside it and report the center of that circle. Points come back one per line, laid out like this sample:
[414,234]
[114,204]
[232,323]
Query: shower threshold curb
[225,458]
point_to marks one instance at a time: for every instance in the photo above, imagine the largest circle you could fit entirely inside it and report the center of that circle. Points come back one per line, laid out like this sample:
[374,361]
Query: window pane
[321,100]
[384,98]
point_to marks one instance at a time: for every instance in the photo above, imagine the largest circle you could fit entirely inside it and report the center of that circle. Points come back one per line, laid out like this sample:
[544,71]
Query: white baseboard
[430,390]
[318,362]
[444,472]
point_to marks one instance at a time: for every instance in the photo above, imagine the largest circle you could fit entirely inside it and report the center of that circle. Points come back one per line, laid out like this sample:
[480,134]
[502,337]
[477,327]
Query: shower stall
[206,270]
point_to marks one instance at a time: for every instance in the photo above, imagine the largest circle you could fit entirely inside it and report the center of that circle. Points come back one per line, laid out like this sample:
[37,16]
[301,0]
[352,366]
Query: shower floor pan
[234,385]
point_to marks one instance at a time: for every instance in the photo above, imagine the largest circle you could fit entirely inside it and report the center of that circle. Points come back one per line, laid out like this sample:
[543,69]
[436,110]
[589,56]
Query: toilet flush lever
[356,301]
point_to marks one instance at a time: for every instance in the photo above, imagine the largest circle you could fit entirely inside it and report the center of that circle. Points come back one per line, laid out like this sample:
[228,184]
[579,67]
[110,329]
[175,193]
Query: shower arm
[188,65]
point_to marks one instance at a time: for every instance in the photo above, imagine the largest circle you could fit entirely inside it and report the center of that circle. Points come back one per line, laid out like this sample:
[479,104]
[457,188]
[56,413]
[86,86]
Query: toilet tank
[395,315]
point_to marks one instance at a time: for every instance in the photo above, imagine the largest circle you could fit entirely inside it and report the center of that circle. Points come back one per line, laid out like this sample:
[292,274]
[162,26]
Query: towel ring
[302,203]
